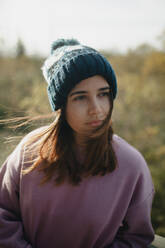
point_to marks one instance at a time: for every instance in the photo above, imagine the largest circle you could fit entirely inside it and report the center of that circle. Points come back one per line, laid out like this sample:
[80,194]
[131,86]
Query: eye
[79,98]
[102,94]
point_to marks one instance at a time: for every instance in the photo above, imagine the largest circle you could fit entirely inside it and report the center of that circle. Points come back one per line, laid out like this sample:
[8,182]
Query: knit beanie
[68,64]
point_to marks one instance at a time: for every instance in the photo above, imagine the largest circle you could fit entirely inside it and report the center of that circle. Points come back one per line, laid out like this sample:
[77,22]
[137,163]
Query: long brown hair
[55,149]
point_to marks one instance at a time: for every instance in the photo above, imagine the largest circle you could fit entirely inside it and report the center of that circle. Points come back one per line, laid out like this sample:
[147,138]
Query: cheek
[108,106]
[105,105]
[74,117]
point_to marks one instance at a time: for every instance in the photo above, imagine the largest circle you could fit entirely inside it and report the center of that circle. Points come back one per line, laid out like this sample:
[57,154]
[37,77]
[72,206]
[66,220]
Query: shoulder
[133,167]
[128,154]
[130,160]
[10,170]
[32,134]
[14,160]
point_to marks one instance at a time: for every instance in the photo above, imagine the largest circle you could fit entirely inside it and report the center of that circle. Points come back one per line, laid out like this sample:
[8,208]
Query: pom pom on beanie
[68,64]
[63,42]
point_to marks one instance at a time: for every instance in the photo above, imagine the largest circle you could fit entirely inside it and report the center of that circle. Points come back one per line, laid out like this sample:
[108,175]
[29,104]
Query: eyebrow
[84,92]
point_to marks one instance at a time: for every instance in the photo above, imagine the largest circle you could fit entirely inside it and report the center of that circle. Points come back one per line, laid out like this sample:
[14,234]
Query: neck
[80,141]
[80,152]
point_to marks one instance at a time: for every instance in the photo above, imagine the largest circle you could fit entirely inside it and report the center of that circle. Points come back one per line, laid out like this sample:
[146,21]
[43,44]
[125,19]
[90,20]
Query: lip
[95,123]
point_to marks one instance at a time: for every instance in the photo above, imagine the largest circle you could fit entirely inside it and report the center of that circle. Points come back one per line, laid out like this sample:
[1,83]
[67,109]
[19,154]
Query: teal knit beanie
[68,64]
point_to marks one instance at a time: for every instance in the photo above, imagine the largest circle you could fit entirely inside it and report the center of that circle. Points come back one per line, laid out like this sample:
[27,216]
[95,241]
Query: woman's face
[88,104]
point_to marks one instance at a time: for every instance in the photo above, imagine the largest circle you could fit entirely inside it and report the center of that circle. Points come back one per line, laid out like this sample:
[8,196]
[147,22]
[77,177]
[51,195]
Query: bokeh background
[131,34]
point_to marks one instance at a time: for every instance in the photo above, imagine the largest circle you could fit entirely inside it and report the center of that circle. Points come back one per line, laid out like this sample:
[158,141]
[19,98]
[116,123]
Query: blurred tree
[144,49]
[154,65]
[1,47]
[20,49]
[161,38]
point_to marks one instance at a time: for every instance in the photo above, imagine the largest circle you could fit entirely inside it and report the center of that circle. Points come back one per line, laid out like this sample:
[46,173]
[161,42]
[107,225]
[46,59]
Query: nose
[94,107]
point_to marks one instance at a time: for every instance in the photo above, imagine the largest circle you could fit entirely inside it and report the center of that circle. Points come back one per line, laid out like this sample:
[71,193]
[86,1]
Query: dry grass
[7,144]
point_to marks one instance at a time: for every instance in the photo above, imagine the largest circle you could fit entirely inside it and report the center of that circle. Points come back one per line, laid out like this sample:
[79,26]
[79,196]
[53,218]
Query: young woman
[75,183]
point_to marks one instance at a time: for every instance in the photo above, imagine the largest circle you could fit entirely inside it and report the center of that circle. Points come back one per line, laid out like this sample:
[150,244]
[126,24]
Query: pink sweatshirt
[103,211]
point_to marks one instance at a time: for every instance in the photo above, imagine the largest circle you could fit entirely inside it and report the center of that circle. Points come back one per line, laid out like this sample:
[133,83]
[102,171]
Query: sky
[102,24]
